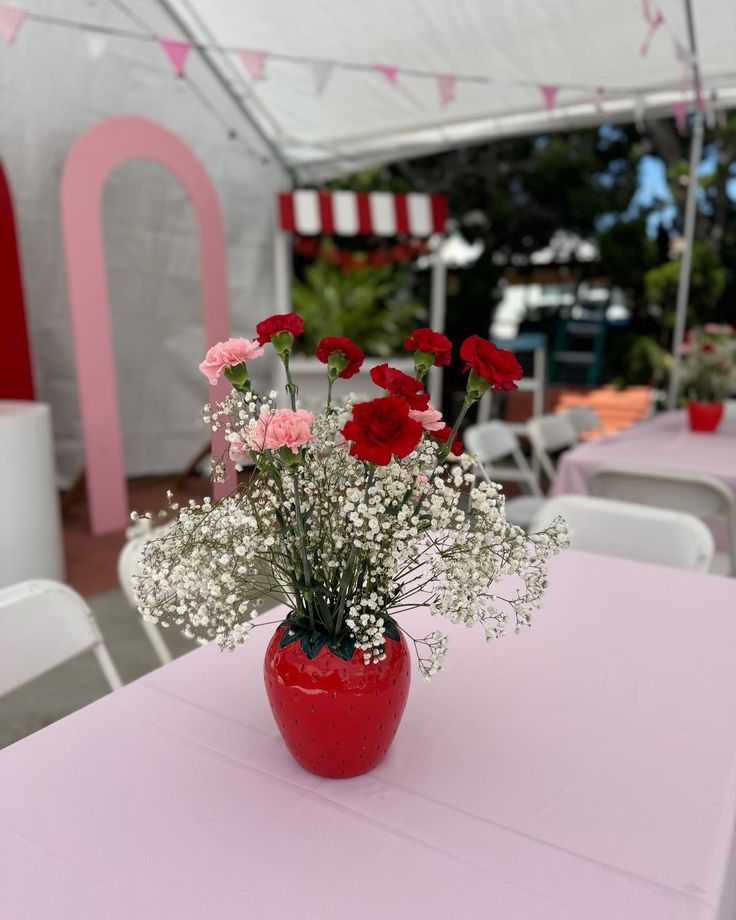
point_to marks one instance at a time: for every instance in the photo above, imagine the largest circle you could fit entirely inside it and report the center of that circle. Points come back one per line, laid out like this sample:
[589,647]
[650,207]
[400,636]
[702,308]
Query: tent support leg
[437,311]
[282,301]
[683,287]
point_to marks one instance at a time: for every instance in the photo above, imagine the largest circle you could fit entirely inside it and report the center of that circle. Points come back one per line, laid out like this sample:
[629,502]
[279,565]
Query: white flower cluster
[348,546]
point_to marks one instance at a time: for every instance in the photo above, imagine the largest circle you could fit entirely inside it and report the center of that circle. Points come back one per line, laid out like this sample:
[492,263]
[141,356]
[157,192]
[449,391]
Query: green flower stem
[330,381]
[348,573]
[447,446]
[303,551]
[290,388]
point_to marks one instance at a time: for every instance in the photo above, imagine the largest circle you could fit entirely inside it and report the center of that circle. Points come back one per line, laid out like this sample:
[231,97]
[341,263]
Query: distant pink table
[584,770]
[664,443]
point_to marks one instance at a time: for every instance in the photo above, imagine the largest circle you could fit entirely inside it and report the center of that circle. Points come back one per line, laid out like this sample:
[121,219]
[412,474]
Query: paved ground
[80,681]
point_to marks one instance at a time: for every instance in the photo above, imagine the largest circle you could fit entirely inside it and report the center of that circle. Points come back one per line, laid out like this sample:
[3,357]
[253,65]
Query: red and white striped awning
[346,213]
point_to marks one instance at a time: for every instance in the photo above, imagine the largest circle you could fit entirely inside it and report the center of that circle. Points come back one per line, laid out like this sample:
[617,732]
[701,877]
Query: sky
[653,187]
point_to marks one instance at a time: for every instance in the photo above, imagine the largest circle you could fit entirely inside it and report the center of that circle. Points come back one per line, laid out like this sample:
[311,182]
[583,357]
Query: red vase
[337,718]
[704,416]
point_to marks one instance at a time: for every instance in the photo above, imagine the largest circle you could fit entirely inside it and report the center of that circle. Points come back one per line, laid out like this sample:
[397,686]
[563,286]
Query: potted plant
[371,305]
[708,374]
[352,516]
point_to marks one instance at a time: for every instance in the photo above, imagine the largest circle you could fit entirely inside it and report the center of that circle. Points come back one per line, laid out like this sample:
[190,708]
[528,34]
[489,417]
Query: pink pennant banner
[654,19]
[680,111]
[549,96]
[11,19]
[446,88]
[253,61]
[321,70]
[177,51]
[596,97]
[389,72]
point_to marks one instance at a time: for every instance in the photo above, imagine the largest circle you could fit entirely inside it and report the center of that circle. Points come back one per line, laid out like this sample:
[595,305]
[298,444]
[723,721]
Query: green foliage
[371,305]
[707,284]
[644,361]
[628,253]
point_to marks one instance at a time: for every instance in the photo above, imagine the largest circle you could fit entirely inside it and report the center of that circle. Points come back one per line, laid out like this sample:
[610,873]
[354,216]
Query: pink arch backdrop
[89,163]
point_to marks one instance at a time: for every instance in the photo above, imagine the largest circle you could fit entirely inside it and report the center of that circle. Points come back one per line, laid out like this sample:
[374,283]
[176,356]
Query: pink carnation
[284,428]
[430,419]
[228,354]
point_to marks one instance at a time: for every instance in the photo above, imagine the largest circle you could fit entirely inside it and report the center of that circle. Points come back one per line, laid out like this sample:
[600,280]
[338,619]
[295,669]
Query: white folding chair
[492,442]
[583,418]
[128,566]
[550,434]
[613,528]
[42,625]
[698,494]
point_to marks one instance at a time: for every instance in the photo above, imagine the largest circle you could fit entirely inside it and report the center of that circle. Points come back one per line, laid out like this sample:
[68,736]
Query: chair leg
[108,668]
[156,640]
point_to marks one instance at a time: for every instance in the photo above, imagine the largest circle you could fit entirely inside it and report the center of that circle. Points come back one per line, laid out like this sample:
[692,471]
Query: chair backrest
[583,418]
[694,493]
[549,434]
[128,566]
[627,531]
[491,442]
[42,625]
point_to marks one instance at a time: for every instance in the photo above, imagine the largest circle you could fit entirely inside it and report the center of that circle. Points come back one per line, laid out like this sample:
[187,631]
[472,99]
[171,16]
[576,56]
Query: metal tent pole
[691,204]
[683,285]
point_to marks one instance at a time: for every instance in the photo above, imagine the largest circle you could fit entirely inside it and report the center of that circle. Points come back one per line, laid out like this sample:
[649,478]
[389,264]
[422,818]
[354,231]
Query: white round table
[30,522]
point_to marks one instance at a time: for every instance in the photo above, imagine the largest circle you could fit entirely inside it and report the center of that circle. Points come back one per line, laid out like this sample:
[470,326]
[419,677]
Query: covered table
[664,442]
[584,769]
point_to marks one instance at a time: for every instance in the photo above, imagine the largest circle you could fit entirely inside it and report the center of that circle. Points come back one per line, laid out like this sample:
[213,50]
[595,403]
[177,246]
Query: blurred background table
[582,769]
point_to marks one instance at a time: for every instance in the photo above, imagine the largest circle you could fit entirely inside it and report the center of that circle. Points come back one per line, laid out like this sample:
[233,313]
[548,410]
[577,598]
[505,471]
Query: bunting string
[255,61]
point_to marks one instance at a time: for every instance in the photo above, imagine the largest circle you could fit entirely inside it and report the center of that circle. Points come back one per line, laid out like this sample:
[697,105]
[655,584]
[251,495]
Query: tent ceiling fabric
[361,117]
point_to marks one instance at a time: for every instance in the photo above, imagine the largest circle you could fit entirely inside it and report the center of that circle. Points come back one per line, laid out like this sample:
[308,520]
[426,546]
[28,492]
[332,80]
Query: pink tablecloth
[664,442]
[583,770]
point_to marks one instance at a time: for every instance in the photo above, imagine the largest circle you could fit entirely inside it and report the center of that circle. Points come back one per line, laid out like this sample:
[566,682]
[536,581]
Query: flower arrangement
[709,363]
[352,516]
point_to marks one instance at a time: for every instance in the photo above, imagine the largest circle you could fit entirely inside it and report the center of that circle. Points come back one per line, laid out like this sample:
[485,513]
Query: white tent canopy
[327,109]
[345,84]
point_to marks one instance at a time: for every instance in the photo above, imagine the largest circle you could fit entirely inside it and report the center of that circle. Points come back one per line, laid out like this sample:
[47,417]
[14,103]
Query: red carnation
[381,429]
[344,346]
[431,343]
[280,322]
[442,434]
[707,347]
[400,384]
[497,366]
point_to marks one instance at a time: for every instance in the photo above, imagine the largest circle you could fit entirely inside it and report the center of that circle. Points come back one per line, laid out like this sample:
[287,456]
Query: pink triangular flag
[654,24]
[253,61]
[680,110]
[389,72]
[177,51]
[321,71]
[11,19]
[446,88]
[549,96]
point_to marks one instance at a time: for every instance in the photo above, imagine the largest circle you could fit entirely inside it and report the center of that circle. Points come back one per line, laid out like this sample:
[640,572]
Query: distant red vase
[337,718]
[704,416]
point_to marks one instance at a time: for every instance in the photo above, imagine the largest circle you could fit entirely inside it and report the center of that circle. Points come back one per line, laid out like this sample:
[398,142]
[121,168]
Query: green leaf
[391,629]
[343,647]
[311,644]
[292,634]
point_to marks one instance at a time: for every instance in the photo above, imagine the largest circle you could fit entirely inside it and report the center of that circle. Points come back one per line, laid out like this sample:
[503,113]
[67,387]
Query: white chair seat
[42,625]
[629,531]
[521,509]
